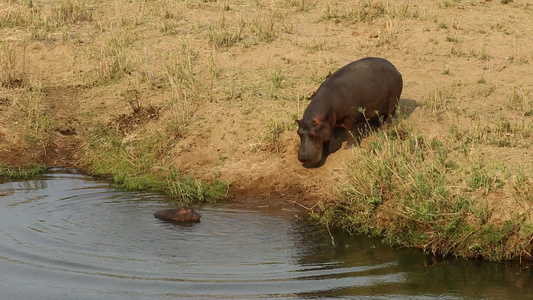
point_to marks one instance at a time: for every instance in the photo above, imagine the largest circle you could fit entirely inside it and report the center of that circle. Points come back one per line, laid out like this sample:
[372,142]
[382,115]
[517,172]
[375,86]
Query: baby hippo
[183,214]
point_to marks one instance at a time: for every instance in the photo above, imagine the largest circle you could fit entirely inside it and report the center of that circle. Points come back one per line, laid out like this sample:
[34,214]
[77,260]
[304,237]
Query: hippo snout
[309,155]
[305,159]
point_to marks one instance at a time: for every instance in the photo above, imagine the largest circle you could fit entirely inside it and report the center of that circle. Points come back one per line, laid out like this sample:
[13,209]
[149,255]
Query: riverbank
[199,99]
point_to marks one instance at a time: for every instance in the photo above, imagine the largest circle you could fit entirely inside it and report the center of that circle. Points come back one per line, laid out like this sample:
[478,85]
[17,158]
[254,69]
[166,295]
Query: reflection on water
[64,235]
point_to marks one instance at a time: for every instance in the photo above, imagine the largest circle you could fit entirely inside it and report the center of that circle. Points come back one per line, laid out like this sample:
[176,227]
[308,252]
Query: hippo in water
[183,214]
[361,93]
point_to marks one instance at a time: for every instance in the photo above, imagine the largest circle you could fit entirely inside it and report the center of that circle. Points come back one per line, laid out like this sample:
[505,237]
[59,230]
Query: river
[64,235]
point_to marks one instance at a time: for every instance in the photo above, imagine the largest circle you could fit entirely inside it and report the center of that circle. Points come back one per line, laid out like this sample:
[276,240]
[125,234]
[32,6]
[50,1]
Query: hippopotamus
[364,92]
[183,214]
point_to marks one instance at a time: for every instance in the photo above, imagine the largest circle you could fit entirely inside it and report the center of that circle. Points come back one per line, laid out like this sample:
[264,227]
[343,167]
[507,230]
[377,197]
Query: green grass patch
[141,165]
[421,193]
[20,172]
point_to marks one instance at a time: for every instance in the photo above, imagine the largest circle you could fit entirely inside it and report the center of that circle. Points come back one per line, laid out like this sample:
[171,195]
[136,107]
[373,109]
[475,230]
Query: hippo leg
[394,102]
[337,138]
[387,119]
[353,136]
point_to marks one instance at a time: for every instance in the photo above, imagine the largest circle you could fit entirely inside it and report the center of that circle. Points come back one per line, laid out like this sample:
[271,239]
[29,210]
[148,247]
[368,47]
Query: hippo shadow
[405,107]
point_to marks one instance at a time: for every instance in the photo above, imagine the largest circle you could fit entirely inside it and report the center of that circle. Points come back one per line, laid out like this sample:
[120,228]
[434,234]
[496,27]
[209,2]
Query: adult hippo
[363,92]
[183,214]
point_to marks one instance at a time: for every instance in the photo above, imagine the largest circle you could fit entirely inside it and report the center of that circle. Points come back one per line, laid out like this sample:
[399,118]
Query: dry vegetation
[189,96]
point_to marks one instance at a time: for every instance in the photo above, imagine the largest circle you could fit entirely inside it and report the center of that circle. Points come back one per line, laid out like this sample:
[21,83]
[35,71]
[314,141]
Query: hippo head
[313,134]
[187,214]
[183,214]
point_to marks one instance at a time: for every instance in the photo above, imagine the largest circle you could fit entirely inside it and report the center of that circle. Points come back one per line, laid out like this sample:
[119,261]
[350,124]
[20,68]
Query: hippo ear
[297,121]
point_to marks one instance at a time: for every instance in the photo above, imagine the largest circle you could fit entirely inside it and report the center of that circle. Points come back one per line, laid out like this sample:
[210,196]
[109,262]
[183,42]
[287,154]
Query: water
[64,235]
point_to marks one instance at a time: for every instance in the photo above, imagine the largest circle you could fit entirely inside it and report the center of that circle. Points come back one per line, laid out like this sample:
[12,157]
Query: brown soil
[476,51]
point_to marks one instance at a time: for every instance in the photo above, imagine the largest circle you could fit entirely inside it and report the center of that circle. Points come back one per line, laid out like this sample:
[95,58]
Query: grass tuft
[12,66]
[437,102]
[520,101]
[222,34]
[271,139]
[113,57]
[186,91]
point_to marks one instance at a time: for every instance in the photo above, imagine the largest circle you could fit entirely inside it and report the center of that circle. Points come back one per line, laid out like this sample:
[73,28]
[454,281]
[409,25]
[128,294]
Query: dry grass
[12,61]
